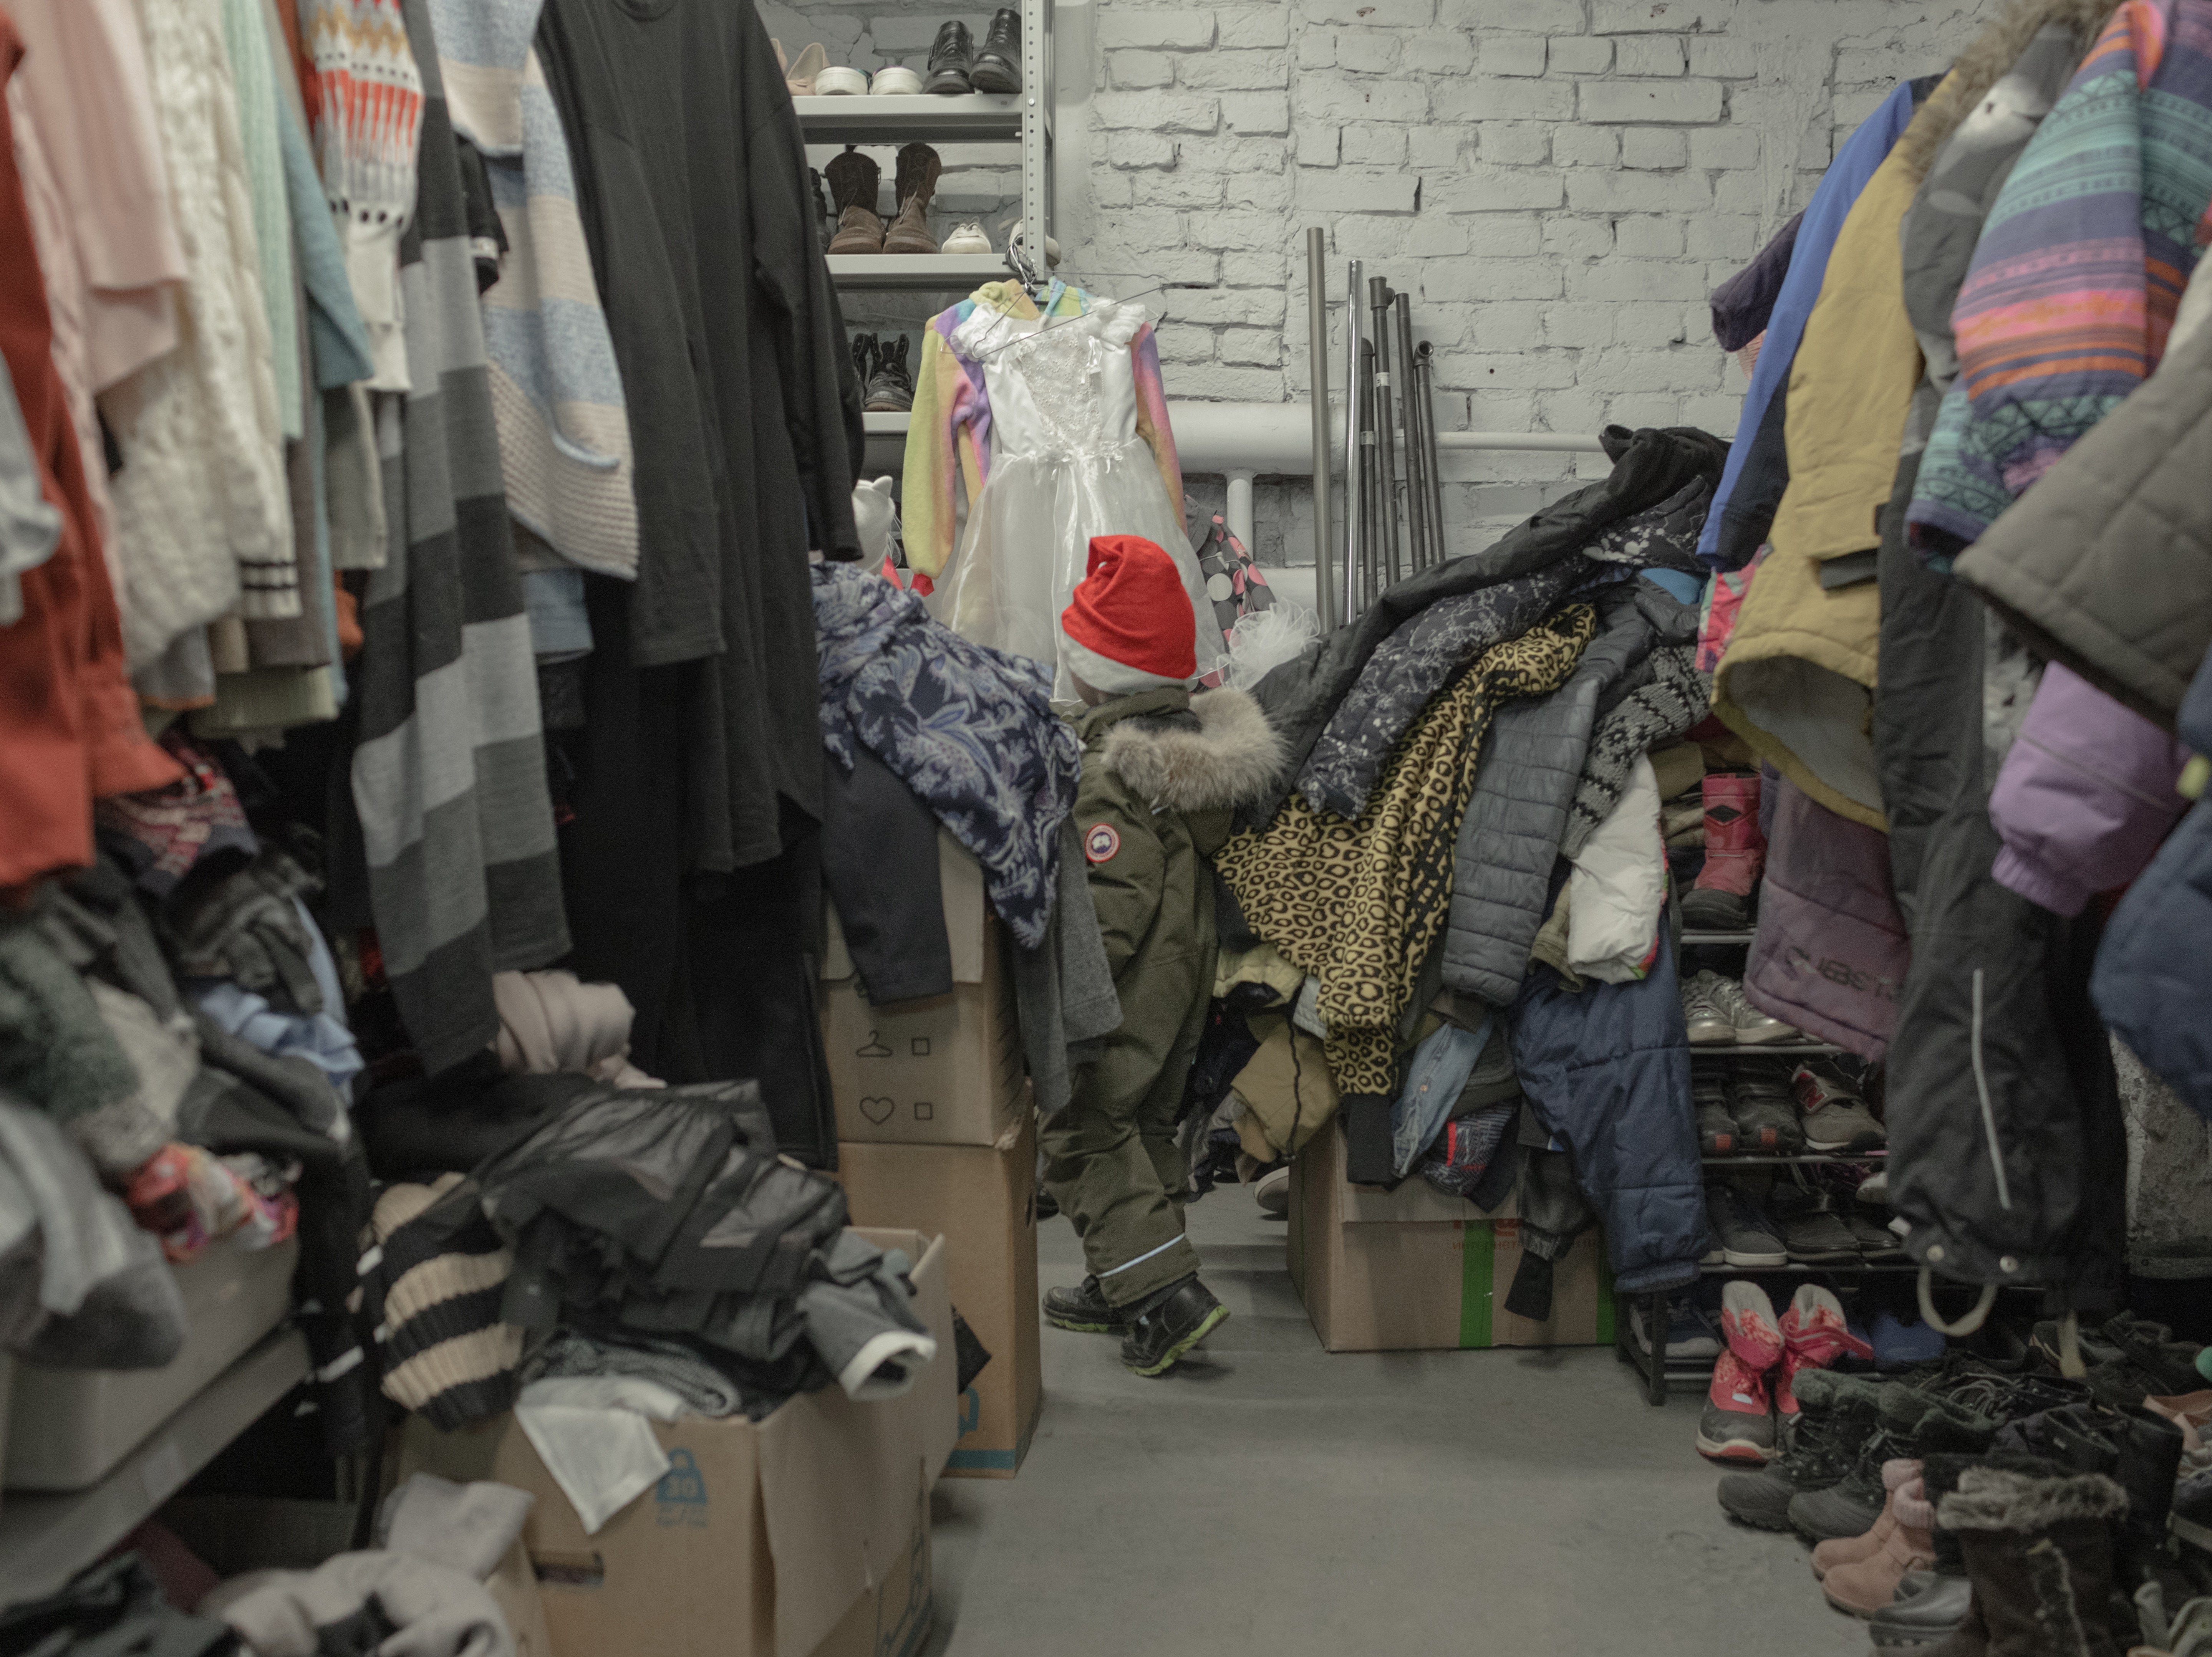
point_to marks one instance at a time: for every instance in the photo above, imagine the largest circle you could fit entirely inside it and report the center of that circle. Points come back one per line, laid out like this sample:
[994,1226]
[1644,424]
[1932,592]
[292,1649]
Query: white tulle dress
[1065,464]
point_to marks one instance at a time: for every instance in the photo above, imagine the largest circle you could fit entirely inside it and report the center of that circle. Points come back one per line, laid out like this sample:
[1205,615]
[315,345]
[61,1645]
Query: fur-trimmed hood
[1987,60]
[1993,1499]
[1227,755]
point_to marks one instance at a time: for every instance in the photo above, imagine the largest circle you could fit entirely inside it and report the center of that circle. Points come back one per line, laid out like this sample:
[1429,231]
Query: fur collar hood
[1218,751]
[1987,60]
[1994,1499]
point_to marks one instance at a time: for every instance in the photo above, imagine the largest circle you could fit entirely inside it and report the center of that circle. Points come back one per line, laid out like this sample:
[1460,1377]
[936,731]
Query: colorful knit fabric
[1357,904]
[162,836]
[950,431]
[366,100]
[2074,285]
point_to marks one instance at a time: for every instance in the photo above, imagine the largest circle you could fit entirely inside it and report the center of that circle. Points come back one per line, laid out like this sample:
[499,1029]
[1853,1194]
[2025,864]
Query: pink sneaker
[1738,1421]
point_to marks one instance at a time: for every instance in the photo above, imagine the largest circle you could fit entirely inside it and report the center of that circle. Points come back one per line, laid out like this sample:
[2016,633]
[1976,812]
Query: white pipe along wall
[1242,440]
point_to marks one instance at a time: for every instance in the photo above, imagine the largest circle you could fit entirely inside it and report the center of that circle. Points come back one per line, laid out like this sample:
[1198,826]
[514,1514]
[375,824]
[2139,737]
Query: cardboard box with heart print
[946,1070]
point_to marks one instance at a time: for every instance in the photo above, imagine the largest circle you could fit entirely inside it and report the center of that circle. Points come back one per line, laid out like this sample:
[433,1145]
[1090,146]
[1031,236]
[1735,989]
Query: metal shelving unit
[46,1539]
[1022,118]
[1651,1367]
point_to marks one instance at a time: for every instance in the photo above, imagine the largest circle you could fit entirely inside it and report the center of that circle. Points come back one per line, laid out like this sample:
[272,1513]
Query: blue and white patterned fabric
[969,728]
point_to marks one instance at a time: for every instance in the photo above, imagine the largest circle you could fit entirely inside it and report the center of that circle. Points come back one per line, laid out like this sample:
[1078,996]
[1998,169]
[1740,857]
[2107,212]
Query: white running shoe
[1051,247]
[896,80]
[966,238]
[841,81]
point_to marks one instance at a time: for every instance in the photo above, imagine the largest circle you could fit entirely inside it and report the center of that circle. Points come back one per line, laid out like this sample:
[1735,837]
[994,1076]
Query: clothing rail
[1242,440]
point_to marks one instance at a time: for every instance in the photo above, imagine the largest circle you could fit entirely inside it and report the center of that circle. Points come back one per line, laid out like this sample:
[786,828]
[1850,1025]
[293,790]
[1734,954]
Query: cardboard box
[982,1199]
[946,1070]
[1415,1270]
[781,1538]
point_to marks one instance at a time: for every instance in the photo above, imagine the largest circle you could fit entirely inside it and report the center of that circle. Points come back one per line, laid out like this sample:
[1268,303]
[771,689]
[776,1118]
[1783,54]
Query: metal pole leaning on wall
[1355,507]
[1386,450]
[1417,447]
[1317,354]
[1425,363]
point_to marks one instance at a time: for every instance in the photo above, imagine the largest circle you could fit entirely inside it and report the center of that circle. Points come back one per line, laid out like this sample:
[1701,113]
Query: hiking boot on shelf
[1735,856]
[997,66]
[1690,1333]
[1835,1415]
[2039,1552]
[1742,1235]
[1751,1027]
[1835,1118]
[1759,1100]
[1708,1021]
[890,389]
[1813,1234]
[1813,1336]
[1737,1423]
[853,181]
[1708,1091]
[918,169]
[1163,1331]
[1082,1308]
[952,56]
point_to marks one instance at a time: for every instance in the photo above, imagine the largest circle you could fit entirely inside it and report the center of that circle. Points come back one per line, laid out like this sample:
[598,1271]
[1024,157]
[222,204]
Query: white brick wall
[1558,183]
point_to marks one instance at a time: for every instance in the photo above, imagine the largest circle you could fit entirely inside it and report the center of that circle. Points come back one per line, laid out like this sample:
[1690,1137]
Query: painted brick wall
[1558,183]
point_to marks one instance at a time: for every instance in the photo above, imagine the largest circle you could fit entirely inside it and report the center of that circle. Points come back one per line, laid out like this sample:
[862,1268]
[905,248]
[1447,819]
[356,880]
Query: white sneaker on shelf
[896,80]
[966,238]
[841,81]
[1051,247]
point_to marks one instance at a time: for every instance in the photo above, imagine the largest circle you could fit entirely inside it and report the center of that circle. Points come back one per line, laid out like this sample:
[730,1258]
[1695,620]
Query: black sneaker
[890,389]
[1173,1322]
[1082,1308]
[1717,1129]
[864,357]
[1810,1229]
[998,66]
[1744,1234]
[1765,1114]
[950,57]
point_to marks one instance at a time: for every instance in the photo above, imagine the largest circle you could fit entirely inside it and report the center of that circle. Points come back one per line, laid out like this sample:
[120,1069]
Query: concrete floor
[1273,1498]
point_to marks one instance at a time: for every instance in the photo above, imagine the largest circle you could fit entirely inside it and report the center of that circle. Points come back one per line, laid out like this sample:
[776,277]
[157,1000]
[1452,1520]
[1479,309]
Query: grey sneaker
[1835,1117]
[1690,1332]
[1745,1234]
[1811,1232]
[1746,1024]
[1708,1020]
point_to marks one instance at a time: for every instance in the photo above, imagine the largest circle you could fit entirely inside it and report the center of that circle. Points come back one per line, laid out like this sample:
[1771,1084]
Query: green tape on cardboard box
[1477,1287]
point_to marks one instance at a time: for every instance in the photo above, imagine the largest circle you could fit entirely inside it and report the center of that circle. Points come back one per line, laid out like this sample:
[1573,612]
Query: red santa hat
[1130,626]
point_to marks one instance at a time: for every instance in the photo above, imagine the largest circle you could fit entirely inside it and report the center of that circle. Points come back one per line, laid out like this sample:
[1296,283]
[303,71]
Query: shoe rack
[1022,118]
[1652,1369]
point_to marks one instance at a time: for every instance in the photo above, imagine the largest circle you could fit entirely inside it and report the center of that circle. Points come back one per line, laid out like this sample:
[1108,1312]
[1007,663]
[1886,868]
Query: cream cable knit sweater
[202,488]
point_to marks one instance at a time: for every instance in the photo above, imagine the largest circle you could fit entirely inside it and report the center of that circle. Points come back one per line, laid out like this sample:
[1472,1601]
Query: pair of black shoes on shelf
[886,382]
[956,66]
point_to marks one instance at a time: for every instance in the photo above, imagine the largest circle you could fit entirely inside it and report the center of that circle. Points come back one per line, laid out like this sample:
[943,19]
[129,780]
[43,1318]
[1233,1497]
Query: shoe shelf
[887,425]
[46,1539]
[967,118]
[1754,1049]
[917,273]
[1691,939]
[1855,1267]
[1807,1156]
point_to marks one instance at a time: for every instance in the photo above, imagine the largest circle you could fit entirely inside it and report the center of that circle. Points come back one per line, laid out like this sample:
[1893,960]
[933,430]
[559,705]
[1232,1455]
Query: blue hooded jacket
[1740,516]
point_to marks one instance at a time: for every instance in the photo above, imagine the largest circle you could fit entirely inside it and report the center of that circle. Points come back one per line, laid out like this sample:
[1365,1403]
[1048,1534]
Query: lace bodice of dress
[1062,389]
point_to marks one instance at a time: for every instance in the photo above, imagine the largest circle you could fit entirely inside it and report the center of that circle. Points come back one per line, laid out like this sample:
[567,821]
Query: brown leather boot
[853,181]
[917,167]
